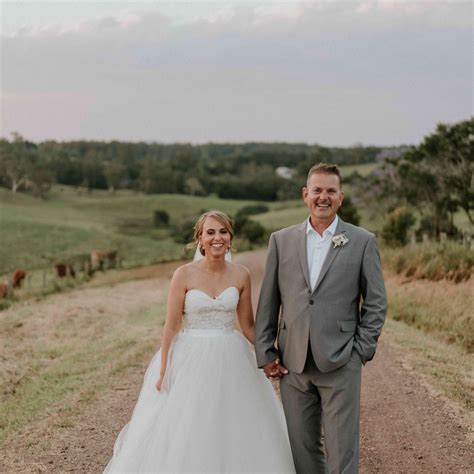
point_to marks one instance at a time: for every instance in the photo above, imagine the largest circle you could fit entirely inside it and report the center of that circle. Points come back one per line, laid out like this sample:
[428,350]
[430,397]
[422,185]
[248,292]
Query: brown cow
[18,277]
[4,289]
[99,257]
[62,270]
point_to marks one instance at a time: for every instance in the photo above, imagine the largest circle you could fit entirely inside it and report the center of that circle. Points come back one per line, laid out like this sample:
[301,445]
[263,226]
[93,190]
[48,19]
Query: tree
[156,177]
[93,170]
[115,173]
[436,176]
[193,186]
[40,180]
[16,161]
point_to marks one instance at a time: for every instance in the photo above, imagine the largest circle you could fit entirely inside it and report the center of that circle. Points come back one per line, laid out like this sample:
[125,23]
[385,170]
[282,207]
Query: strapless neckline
[213,297]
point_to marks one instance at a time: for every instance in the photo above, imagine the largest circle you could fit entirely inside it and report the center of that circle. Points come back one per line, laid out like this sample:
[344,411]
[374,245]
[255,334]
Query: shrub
[253,231]
[241,217]
[348,212]
[397,225]
[183,232]
[160,218]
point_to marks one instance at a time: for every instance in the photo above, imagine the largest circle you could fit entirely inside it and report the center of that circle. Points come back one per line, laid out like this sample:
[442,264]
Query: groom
[321,309]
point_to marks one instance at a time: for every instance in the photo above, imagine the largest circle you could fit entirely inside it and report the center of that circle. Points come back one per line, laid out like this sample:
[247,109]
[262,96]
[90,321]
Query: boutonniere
[339,240]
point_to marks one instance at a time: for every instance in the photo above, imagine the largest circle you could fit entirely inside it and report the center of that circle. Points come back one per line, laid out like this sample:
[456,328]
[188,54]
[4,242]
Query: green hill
[36,233]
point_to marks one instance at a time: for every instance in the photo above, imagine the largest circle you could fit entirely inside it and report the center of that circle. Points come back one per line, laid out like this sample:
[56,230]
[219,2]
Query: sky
[336,73]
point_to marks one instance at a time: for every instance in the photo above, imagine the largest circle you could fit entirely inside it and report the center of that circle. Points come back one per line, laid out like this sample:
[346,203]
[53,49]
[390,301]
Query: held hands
[274,370]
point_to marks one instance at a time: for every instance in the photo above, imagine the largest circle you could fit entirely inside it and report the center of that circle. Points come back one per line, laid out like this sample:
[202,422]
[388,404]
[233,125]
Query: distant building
[285,172]
[394,152]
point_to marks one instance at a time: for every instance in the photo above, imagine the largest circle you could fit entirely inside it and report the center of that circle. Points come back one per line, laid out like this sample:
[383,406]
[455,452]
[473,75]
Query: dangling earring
[201,248]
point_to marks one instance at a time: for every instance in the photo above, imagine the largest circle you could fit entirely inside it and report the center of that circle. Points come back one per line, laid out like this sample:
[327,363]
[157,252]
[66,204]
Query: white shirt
[317,248]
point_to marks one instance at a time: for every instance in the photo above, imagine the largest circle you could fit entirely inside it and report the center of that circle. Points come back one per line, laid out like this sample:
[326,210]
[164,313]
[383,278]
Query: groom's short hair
[325,168]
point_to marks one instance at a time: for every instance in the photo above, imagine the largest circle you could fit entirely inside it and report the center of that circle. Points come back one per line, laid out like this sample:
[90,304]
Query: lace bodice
[201,311]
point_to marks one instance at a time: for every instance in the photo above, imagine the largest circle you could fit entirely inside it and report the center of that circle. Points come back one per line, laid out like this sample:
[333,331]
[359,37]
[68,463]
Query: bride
[204,407]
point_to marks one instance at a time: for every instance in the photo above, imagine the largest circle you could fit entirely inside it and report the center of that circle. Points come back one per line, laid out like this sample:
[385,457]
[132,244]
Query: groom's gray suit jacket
[345,310]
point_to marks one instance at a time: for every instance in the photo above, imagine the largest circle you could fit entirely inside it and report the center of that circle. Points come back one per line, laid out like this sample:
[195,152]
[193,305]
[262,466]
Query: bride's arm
[245,311]
[174,316]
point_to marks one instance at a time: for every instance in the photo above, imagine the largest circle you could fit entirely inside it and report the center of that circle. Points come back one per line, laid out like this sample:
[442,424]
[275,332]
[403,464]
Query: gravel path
[404,428]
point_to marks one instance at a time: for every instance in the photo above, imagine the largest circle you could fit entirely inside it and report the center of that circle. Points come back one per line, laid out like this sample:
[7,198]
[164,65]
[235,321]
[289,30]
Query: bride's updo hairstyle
[220,216]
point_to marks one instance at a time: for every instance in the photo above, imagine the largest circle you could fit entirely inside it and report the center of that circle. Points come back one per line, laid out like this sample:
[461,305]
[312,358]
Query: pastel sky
[331,72]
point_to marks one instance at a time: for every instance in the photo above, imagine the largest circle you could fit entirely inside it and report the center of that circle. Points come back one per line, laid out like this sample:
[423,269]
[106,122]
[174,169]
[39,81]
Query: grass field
[36,233]
[71,223]
[363,169]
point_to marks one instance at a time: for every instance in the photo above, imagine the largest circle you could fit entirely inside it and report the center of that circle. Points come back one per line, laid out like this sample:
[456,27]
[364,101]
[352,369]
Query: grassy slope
[36,233]
[363,170]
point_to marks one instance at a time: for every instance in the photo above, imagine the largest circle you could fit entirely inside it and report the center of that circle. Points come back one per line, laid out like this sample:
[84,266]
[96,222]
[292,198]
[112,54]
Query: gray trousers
[317,402]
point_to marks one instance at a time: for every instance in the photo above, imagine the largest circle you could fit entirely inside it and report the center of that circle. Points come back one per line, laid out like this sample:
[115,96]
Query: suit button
[311,302]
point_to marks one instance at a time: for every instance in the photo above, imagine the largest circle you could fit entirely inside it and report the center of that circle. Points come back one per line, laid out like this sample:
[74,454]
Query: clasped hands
[274,370]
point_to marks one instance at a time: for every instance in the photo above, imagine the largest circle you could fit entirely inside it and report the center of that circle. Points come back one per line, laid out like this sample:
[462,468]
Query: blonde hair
[220,216]
[325,168]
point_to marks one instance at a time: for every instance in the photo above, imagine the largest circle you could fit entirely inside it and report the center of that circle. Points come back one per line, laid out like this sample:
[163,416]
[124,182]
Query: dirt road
[404,427]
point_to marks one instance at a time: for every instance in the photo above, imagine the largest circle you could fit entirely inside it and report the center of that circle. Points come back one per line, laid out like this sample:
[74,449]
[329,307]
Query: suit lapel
[331,255]
[302,252]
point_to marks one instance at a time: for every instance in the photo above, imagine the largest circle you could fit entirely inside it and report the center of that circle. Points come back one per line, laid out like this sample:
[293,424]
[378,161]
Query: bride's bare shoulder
[240,272]
[241,269]
[180,272]
[186,271]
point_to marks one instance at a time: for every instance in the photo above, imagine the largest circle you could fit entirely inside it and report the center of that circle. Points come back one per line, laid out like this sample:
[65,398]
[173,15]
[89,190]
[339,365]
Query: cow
[4,289]
[18,277]
[99,257]
[62,270]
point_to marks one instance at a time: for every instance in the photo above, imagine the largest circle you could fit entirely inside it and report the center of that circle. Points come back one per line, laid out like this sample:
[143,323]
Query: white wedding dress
[217,413]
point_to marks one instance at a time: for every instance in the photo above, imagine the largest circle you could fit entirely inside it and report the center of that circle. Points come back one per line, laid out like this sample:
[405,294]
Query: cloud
[334,72]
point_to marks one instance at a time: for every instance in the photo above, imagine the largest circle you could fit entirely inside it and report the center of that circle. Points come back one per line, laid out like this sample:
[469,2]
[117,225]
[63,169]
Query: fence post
[466,240]
[44,279]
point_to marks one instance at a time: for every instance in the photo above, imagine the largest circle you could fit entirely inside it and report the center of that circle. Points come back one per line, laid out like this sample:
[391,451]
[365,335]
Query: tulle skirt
[217,413]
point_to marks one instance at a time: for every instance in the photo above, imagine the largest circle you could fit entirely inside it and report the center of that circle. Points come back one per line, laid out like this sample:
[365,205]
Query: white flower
[339,240]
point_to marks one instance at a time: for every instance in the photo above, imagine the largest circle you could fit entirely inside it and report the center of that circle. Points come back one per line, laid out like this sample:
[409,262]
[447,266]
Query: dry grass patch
[431,261]
[445,367]
[59,352]
[441,308]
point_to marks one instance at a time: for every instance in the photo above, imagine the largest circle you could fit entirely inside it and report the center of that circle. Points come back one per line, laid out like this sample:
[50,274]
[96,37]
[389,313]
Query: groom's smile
[323,196]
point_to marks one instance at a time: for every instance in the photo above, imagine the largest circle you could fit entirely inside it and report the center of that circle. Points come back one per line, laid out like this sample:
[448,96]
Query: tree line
[235,171]
[425,184]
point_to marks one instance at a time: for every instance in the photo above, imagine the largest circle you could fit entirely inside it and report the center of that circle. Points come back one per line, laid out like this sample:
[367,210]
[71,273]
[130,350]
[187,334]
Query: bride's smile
[215,238]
